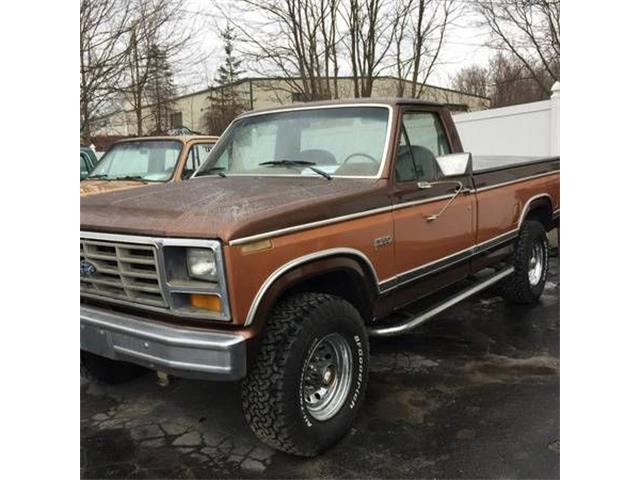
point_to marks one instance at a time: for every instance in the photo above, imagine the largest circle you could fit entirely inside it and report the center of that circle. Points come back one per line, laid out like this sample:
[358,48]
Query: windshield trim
[139,140]
[385,151]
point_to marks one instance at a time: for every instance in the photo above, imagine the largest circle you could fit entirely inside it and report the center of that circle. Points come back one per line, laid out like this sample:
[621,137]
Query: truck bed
[485,164]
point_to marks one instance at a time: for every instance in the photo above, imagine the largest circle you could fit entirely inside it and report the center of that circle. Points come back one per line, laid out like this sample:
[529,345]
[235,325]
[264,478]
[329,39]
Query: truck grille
[124,271]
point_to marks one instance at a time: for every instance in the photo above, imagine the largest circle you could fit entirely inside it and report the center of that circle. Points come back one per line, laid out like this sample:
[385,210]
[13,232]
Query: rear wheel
[310,376]
[531,263]
[108,371]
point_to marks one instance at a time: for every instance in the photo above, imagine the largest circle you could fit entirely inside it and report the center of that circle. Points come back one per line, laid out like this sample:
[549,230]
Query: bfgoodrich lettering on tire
[531,262]
[310,376]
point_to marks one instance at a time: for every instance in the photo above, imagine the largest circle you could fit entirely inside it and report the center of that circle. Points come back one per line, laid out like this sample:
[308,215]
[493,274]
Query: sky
[464,46]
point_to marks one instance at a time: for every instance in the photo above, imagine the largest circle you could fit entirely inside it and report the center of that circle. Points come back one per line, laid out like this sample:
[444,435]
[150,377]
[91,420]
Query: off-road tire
[272,394]
[105,370]
[517,288]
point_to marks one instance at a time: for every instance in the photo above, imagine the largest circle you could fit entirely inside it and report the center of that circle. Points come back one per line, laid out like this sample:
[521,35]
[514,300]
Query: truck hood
[91,187]
[229,208]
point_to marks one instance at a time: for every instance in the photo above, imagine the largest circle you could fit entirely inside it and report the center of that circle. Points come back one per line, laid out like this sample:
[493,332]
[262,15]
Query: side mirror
[454,164]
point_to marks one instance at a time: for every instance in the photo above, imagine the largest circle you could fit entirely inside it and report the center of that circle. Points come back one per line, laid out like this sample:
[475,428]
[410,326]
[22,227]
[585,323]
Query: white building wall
[531,129]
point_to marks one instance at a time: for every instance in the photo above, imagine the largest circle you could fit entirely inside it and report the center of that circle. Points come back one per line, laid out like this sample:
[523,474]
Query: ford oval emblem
[87,268]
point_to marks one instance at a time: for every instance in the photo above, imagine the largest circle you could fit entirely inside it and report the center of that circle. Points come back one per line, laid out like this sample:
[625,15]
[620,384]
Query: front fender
[358,270]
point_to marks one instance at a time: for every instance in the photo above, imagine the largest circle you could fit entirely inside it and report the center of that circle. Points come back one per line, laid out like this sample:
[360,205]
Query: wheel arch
[540,208]
[342,272]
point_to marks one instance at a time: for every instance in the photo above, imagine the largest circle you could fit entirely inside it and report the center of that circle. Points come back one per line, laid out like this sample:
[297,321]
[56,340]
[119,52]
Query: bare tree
[433,19]
[370,34]
[504,80]
[428,26]
[102,28]
[473,79]
[402,13]
[329,30]
[530,30]
[512,83]
[307,41]
[155,28]
[297,39]
[418,30]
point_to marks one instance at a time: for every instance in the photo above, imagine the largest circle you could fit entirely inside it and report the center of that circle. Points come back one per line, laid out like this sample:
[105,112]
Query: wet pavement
[473,394]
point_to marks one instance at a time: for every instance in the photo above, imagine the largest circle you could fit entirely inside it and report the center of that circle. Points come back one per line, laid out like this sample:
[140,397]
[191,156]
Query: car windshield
[342,142]
[148,160]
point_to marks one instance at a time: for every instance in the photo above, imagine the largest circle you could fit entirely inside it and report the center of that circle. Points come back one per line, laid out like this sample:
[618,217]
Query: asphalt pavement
[473,394]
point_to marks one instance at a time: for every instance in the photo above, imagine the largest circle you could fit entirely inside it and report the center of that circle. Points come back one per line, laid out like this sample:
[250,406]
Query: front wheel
[310,376]
[531,263]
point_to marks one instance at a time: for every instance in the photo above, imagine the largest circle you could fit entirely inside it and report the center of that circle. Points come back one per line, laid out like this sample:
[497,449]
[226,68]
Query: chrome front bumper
[184,352]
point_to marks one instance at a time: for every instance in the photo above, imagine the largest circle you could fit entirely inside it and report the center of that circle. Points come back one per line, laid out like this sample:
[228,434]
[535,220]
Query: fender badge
[382,241]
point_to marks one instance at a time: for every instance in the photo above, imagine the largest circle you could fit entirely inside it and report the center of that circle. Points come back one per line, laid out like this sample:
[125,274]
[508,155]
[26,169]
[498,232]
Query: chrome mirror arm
[461,188]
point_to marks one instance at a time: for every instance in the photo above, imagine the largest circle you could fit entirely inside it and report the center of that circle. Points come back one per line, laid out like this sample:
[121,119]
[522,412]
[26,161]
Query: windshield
[149,160]
[343,142]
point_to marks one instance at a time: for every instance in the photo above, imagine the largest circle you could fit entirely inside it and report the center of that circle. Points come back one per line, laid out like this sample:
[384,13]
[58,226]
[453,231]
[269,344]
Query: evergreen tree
[225,102]
[160,88]
[229,71]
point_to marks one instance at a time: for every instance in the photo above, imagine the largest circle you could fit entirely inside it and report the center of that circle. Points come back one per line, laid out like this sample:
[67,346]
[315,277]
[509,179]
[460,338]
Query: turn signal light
[258,246]
[206,302]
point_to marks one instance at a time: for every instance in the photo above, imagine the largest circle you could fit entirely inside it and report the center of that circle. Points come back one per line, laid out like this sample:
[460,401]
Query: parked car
[88,160]
[308,230]
[136,162]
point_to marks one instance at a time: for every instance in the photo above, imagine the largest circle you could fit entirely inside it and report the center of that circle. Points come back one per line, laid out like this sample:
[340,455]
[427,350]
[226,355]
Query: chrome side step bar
[399,329]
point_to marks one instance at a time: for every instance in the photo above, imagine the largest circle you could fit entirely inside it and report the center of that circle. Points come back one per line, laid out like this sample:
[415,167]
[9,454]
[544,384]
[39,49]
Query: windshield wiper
[216,170]
[103,176]
[296,163]
[129,177]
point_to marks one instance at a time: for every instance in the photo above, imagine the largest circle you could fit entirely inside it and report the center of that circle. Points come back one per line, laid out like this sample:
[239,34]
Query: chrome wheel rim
[536,264]
[327,377]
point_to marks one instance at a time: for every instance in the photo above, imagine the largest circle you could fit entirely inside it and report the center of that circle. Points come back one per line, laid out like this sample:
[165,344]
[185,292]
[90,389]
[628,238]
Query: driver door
[426,248]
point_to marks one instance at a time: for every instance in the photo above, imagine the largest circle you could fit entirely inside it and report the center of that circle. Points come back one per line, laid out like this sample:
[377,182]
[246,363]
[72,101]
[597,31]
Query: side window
[175,118]
[425,139]
[197,154]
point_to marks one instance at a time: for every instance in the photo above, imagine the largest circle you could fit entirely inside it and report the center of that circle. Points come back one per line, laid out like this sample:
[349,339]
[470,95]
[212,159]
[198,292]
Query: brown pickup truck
[136,162]
[307,230]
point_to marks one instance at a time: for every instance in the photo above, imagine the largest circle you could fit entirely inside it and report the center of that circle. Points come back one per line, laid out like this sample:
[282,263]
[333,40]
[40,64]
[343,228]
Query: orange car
[142,161]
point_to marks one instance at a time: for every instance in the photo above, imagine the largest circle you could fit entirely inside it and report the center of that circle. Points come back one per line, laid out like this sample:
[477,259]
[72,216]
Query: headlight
[201,264]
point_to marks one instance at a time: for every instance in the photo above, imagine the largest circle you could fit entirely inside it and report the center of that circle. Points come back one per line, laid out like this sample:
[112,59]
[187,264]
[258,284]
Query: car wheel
[531,262]
[310,376]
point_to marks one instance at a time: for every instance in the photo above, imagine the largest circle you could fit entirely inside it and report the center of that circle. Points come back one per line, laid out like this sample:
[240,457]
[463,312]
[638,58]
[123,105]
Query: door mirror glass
[454,164]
